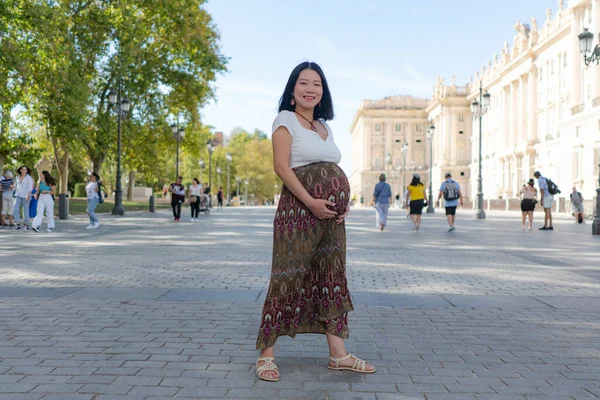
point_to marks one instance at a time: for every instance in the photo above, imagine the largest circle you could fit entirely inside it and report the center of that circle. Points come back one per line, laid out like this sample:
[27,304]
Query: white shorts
[548,201]
[8,204]
[578,208]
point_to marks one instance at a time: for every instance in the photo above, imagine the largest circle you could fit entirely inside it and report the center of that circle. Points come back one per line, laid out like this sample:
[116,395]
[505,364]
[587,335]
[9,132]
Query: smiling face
[308,91]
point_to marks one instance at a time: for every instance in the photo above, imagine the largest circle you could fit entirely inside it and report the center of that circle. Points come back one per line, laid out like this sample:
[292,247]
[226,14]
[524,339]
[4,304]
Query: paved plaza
[143,308]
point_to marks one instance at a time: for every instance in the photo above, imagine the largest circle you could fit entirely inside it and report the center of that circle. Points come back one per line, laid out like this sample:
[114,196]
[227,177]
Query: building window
[462,174]
[377,162]
[575,166]
[461,155]
[460,132]
[419,128]
[398,127]
[577,131]
[461,118]
[377,127]
[418,140]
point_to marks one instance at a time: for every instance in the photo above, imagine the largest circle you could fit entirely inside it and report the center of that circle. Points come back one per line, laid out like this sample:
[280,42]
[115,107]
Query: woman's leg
[39,214]
[17,210]
[92,204]
[337,349]
[26,211]
[50,212]
[174,207]
[523,216]
[530,218]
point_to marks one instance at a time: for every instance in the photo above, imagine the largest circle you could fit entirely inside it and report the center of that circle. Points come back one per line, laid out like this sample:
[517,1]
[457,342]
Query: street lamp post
[586,40]
[388,163]
[114,97]
[219,178]
[479,109]
[430,135]
[246,182]
[211,148]
[178,134]
[201,164]
[404,150]
[596,223]
[229,158]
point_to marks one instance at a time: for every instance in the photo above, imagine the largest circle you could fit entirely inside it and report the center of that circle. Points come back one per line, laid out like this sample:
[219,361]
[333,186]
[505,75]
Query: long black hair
[21,167]
[48,178]
[325,108]
[416,181]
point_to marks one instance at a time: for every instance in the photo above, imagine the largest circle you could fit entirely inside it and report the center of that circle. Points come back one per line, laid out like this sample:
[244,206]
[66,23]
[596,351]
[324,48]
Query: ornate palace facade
[544,115]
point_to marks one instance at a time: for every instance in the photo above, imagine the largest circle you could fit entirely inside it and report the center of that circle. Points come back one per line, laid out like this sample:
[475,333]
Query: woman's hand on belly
[341,218]
[319,208]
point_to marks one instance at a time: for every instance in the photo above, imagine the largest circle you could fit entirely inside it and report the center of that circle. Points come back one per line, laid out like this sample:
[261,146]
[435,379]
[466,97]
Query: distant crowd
[415,200]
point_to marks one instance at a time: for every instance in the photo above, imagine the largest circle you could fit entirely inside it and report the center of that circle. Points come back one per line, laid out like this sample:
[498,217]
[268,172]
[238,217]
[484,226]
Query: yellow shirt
[416,192]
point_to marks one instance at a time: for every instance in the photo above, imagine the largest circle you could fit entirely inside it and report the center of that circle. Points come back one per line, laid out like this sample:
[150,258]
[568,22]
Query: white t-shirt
[90,189]
[307,145]
[195,191]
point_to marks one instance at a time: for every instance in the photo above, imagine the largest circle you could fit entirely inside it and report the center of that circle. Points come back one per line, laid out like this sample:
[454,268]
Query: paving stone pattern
[143,308]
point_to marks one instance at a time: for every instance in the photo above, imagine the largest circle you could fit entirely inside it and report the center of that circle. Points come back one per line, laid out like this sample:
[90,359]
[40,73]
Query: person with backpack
[46,189]
[452,197]
[220,199]
[577,206]
[415,201]
[93,199]
[382,197]
[547,191]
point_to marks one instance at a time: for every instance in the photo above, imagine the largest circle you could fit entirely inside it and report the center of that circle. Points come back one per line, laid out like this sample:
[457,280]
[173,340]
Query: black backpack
[552,187]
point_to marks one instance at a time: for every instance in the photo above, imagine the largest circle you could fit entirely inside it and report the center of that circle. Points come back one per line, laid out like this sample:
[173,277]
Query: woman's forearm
[290,180]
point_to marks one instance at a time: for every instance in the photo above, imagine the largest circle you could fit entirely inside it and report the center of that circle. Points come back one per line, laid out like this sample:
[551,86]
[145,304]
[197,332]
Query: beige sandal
[359,365]
[269,365]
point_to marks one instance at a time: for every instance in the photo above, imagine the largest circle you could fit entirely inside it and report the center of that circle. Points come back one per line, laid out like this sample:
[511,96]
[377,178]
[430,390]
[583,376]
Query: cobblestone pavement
[143,308]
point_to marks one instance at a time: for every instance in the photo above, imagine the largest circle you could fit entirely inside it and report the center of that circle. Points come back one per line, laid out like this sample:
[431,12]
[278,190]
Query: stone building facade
[379,131]
[544,114]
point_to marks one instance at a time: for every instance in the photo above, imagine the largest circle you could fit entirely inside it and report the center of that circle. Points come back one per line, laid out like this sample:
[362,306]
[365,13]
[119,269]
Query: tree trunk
[62,162]
[130,185]
[97,163]
[4,125]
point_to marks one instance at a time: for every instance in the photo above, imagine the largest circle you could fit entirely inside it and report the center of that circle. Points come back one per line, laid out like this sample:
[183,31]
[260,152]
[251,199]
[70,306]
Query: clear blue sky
[368,49]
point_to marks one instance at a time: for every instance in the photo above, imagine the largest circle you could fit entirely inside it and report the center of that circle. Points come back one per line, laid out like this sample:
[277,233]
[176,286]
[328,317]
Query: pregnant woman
[308,292]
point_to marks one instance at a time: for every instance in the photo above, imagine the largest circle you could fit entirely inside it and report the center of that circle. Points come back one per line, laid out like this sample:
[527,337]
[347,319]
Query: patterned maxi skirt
[308,292]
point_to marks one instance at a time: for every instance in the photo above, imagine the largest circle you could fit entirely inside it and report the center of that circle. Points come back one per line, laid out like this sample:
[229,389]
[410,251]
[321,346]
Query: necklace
[312,126]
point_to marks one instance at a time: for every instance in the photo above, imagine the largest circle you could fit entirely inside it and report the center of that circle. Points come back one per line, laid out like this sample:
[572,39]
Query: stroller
[205,201]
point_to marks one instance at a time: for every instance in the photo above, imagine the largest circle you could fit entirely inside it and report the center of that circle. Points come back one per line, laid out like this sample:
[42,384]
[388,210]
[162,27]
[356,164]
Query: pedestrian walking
[382,197]
[452,197]
[93,199]
[194,198]
[46,190]
[308,291]
[23,187]
[577,206]
[528,203]
[177,197]
[415,200]
[220,199]
[8,200]
[547,200]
